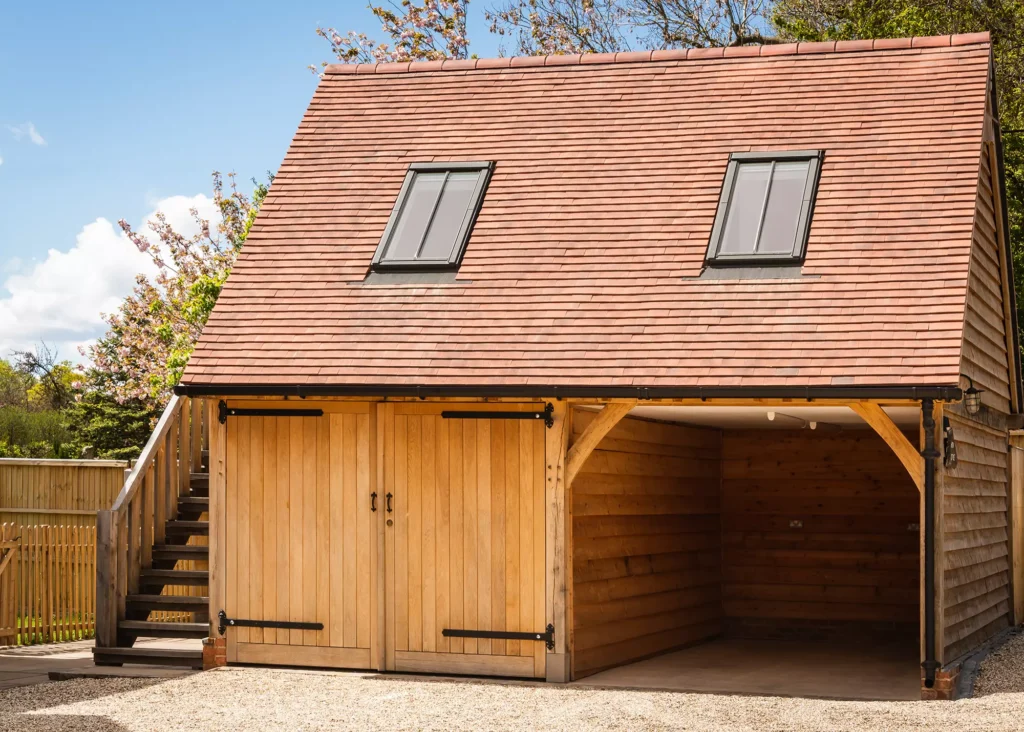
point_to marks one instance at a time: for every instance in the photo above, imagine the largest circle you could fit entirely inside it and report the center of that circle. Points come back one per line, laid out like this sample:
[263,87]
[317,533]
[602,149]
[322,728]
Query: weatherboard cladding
[583,268]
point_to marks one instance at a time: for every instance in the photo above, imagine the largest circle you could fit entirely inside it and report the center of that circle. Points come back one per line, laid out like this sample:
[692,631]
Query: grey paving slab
[28,665]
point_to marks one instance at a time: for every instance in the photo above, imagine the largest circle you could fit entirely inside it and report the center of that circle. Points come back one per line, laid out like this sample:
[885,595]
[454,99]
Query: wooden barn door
[301,536]
[464,540]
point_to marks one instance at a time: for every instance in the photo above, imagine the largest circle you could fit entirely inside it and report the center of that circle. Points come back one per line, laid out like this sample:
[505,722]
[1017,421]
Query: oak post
[218,487]
[557,544]
[121,577]
[185,450]
[146,498]
[160,497]
[171,454]
[196,434]
[106,572]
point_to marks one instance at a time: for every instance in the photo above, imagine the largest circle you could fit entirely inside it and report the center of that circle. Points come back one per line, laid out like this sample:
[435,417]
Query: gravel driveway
[280,699]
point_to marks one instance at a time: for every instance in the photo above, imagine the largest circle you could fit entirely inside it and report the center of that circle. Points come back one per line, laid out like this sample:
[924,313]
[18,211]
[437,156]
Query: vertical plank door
[299,527]
[464,539]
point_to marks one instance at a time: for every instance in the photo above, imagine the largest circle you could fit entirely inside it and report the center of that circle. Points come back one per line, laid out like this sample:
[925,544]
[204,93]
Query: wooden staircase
[144,538]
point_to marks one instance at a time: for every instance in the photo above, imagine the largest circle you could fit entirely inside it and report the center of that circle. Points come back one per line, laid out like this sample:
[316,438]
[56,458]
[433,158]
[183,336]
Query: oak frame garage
[612,234]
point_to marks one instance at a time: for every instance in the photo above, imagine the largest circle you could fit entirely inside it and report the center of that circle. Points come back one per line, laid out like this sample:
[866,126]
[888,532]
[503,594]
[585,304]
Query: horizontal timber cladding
[985,354]
[300,536]
[819,529]
[645,541]
[976,601]
[465,544]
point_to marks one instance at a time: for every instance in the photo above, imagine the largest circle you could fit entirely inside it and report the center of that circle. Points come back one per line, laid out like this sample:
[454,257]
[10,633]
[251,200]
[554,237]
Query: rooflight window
[433,216]
[764,213]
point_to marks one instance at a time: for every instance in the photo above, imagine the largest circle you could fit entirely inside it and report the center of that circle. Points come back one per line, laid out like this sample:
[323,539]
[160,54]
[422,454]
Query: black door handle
[388,496]
[373,501]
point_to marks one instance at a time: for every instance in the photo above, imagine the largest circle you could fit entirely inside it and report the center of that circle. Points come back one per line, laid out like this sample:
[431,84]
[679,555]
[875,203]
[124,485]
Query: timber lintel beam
[880,422]
[602,424]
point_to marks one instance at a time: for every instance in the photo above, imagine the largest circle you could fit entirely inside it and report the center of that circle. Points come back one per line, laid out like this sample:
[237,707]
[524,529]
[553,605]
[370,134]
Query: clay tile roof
[584,265]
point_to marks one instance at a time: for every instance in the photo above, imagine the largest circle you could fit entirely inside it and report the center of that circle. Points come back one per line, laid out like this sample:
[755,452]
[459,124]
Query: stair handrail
[126,533]
[149,453]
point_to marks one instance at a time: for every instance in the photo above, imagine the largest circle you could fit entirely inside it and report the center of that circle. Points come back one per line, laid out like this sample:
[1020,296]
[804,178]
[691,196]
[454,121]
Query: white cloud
[59,300]
[1,161]
[27,129]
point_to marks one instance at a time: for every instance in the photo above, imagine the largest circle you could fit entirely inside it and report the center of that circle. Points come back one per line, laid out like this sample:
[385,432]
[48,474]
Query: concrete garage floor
[814,669]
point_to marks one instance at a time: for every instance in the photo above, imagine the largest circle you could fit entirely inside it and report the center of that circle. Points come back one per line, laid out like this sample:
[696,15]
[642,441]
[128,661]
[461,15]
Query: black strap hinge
[548,636]
[548,415]
[226,622]
[224,411]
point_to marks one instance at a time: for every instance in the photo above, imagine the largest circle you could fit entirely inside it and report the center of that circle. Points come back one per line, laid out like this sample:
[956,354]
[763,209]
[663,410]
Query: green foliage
[34,424]
[29,434]
[115,431]
[14,385]
[843,20]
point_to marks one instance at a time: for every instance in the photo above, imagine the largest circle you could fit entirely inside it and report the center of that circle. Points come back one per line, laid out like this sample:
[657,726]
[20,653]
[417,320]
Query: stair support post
[106,575]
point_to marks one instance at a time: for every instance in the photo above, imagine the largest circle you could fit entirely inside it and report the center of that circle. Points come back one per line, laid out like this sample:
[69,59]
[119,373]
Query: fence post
[106,574]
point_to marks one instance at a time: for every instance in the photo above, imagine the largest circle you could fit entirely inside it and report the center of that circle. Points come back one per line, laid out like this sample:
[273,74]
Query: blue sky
[110,109]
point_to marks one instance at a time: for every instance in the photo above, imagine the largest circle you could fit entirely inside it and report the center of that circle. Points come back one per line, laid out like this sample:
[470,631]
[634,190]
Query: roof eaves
[680,54]
[541,391]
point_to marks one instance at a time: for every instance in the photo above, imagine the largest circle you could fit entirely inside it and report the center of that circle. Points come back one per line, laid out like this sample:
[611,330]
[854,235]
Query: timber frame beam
[603,423]
[880,422]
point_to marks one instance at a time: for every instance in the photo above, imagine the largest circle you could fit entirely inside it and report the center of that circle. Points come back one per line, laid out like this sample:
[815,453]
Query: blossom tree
[428,30]
[602,26]
[563,26]
[153,332]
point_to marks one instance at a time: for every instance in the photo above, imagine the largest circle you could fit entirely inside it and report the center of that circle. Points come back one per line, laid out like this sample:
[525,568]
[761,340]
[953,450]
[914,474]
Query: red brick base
[215,653]
[945,684]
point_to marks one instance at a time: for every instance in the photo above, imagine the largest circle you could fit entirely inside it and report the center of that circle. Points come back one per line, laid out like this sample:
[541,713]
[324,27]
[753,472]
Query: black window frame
[816,158]
[381,264]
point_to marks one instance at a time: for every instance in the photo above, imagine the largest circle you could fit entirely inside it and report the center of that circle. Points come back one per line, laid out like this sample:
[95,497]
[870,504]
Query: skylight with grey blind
[764,213]
[433,217]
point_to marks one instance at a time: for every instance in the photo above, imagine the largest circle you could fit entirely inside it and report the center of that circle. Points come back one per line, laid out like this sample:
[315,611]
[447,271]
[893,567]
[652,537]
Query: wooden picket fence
[47,583]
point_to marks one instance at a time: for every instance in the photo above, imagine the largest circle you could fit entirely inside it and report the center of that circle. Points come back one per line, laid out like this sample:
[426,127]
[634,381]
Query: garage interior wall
[646,542]
[819,530]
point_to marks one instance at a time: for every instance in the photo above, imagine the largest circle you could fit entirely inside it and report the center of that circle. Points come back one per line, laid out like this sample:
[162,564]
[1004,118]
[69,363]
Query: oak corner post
[557,543]
[218,485]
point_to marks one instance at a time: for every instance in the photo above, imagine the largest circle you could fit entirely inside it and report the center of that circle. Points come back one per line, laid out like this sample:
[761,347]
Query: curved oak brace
[592,436]
[875,416]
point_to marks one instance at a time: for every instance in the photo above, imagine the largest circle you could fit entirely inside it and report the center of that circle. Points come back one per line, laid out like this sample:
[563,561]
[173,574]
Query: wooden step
[163,552]
[151,656]
[188,528]
[193,503]
[168,602]
[199,484]
[151,629]
[194,577]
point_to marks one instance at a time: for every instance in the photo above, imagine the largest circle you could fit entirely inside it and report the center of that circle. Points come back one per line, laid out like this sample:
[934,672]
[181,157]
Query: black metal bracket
[224,411]
[547,415]
[226,622]
[548,636]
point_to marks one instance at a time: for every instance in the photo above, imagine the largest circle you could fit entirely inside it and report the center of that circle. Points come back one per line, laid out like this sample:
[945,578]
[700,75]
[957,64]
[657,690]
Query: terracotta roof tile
[584,265]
